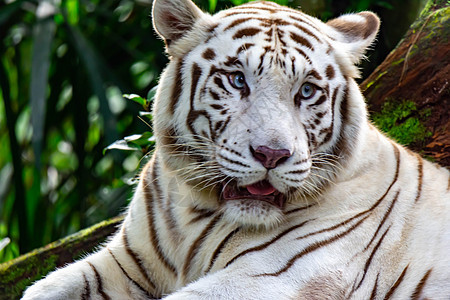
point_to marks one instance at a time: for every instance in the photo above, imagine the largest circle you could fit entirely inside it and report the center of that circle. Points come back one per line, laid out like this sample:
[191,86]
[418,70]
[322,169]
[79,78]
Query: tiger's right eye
[308,90]
[237,80]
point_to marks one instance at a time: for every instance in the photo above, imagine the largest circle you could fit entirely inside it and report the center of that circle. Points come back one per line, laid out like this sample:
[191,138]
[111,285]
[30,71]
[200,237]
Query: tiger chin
[268,181]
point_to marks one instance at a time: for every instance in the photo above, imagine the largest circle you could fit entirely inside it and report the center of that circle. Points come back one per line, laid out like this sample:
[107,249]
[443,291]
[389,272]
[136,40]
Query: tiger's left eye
[308,90]
[237,80]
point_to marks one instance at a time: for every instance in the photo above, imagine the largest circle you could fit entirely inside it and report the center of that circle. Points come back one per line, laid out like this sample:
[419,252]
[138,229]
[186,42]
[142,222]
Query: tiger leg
[238,283]
[98,276]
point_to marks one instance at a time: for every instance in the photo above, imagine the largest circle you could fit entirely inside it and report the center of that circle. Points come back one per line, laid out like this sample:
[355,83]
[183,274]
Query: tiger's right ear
[173,18]
[356,32]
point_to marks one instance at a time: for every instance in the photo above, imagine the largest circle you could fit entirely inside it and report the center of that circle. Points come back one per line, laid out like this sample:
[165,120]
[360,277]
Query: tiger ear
[173,18]
[356,32]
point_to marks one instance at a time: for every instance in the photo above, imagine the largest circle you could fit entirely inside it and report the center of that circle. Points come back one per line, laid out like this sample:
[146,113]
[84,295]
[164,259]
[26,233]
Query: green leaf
[146,103]
[147,115]
[4,242]
[133,142]
[43,34]
[212,5]
[92,61]
[121,145]
[238,2]
[142,140]
[152,93]
[72,8]
[135,98]
[19,205]
[6,177]
[150,98]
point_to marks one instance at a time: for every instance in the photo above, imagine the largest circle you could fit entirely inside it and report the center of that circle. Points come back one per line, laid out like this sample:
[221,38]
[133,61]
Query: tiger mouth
[260,191]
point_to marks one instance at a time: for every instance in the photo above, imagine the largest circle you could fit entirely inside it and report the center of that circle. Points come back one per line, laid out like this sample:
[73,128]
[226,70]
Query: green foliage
[63,70]
[143,142]
[64,66]
[402,121]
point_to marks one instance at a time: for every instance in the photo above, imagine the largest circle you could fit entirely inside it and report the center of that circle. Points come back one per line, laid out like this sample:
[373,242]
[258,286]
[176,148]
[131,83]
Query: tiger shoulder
[268,181]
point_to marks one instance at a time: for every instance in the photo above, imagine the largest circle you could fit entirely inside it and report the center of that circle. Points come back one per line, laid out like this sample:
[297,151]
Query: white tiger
[268,181]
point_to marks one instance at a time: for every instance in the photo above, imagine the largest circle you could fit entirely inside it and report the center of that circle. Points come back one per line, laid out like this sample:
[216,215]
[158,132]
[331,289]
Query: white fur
[319,245]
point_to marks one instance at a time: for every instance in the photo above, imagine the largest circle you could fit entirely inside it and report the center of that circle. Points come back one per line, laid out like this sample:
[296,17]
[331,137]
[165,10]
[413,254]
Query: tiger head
[258,104]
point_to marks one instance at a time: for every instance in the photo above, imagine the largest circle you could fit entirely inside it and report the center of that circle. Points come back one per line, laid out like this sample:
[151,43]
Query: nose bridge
[271,124]
[268,104]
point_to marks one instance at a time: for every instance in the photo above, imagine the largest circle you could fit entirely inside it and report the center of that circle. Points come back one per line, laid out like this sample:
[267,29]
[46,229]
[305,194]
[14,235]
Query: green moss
[432,4]
[376,79]
[437,25]
[15,278]
[17,274]
[399,61]
[401,120]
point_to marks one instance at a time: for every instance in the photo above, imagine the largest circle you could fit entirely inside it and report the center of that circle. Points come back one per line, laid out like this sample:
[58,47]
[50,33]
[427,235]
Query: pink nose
[270,158]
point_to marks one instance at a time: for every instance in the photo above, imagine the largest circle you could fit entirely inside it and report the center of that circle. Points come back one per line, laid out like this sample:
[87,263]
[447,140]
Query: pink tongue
[261,188]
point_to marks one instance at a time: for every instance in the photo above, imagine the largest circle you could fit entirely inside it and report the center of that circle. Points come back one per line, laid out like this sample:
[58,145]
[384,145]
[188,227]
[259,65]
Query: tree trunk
[17,274]
[408,96]
[409,93]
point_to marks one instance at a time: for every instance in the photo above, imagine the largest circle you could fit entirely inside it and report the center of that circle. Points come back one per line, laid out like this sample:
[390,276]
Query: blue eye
[237,80]
[308,90]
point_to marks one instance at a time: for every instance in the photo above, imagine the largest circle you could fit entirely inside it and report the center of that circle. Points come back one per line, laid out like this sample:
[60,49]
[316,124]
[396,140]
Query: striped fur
[363,217]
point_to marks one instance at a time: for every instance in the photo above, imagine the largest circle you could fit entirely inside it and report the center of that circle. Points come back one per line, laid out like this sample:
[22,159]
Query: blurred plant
[143,142]
[64,66]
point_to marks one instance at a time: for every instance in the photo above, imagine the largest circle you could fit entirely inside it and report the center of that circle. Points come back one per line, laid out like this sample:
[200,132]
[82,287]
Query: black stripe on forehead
[232,61]
[235,13]
[263,21]
[303,29]
[237,22]
[315,74]
[245,32]
[262,9]
[302,53]
[302,18]
[244,47]
[301,40]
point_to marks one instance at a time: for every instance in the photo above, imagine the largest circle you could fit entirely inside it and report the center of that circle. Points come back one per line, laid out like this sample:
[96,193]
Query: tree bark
[409,93]
[17,274]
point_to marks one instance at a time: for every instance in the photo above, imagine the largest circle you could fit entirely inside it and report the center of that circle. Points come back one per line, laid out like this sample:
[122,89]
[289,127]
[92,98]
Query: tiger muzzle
[260,191]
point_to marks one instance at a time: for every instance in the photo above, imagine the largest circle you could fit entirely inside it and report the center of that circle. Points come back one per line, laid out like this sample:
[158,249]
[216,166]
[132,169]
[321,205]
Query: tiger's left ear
[356,32]
[172,19]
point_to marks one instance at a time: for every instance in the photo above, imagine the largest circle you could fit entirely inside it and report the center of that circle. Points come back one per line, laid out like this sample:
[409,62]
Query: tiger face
[255,103]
